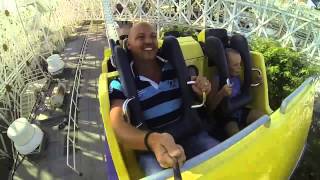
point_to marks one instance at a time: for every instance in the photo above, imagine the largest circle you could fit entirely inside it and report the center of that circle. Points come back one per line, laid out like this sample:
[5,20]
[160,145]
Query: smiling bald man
[160,105]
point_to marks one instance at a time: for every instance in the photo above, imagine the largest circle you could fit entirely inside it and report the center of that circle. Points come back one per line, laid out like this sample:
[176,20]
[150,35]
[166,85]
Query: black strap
[146,140]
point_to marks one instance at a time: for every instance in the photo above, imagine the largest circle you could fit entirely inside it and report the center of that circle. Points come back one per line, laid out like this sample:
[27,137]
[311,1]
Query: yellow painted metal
[106,53]
[260,93]
[190,48]
[111,138]
[112,75]
[201,36]
[269,152]
[104,66]
[193,54]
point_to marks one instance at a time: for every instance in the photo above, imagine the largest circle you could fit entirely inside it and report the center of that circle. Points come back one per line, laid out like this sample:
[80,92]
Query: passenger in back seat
[242,117]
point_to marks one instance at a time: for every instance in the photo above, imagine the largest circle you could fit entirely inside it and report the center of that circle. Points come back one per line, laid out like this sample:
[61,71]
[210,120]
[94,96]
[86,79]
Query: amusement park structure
[31,30]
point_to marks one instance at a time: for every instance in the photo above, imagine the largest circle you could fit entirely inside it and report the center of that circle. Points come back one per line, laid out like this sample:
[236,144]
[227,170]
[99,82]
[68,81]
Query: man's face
[143,42]
[234,63]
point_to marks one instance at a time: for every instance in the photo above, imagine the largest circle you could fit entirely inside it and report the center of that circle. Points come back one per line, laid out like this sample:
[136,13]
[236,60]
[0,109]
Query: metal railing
[73,110]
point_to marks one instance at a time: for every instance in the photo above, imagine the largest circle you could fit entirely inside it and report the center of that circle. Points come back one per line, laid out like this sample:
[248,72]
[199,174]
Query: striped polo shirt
[161,103]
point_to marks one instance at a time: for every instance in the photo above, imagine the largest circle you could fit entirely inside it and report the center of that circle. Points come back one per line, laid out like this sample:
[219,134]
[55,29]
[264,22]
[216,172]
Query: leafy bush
[286,68]
[179,31]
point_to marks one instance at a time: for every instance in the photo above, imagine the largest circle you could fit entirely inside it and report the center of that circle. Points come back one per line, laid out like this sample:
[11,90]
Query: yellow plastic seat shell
[267,149]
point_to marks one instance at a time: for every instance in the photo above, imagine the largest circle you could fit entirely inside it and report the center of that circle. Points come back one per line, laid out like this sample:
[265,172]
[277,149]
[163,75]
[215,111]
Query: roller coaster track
[293,25]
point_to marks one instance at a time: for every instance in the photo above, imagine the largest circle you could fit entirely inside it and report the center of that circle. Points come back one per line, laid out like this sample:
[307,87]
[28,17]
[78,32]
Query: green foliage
[7,13]
[181,30]
[5,47]
[286,68]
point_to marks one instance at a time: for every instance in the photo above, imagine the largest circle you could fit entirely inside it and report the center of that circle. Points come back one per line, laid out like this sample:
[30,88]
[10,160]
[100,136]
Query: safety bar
[125,104]
[259,72]
[229,83]
[204,97]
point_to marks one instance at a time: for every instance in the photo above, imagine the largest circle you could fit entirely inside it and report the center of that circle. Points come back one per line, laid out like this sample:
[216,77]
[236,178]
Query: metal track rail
[110,24]
[73,112]
[292,25]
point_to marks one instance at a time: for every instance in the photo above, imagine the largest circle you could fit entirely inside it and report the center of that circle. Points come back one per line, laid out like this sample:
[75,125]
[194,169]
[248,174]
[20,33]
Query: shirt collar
[161,61]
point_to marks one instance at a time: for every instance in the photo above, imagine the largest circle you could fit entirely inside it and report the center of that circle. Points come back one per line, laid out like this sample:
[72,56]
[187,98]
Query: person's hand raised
[201,85]
[167,152]
[226,90]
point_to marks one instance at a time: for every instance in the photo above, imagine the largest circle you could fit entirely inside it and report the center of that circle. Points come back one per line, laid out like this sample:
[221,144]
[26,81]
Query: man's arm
[126,134]
[162,144]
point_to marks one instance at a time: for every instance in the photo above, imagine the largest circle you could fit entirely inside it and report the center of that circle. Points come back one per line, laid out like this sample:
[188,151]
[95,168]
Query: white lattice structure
[292,24]
[31,30]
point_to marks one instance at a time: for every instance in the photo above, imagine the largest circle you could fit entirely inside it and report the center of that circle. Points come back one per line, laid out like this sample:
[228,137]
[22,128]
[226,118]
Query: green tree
[286,68]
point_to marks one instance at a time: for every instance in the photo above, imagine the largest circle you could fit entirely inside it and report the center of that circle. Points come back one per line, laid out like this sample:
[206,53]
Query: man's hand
[166,150]
[201,85]
[226,90]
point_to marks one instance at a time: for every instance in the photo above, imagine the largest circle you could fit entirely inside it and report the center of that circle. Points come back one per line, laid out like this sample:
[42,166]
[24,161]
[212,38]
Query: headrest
[172,33]
[220,34]
[216,55]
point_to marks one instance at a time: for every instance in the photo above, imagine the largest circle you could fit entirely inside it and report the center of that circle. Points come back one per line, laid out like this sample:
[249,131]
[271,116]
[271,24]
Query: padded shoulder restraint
[111,62]
[240,43]
[222,34]
[190,122]
[216,55]
[128,83]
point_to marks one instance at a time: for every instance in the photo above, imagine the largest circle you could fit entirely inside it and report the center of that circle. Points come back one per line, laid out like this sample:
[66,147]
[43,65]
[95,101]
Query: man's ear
[128,45]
